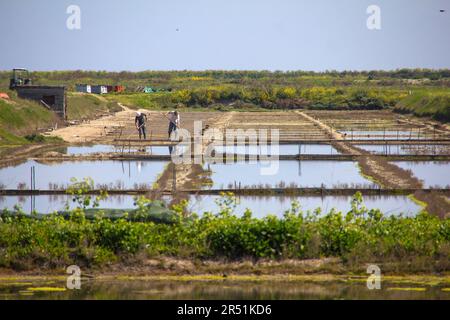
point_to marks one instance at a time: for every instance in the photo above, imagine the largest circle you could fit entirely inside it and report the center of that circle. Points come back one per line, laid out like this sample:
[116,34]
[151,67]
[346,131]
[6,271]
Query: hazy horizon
[226,70]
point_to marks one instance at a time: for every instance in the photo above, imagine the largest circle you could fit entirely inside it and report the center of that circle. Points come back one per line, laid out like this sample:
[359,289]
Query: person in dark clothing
[139,121]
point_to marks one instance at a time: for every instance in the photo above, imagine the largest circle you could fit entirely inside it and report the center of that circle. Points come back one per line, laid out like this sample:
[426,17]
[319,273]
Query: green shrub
[35,138]
[54,240]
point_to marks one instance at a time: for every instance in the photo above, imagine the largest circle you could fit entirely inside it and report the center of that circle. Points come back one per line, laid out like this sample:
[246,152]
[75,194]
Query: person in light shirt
[174,121]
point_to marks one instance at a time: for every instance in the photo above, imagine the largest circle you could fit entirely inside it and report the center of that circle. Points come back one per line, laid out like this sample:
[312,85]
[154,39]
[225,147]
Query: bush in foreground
[362,234]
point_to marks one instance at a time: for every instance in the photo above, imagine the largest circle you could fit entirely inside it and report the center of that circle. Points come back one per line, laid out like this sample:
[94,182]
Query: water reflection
[282,149]
[306,173]
[259,205]
[390,134]
[105,148]
[402,149]
[111,174]
[432,173]
[226,290]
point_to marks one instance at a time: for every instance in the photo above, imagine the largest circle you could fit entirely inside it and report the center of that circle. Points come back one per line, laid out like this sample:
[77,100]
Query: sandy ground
[94,129]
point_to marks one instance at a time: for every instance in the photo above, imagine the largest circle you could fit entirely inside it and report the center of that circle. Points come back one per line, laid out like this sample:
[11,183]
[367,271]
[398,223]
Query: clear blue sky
[224,34]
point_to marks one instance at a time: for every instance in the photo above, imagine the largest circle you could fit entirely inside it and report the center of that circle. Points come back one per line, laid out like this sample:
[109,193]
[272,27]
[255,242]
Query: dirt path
[94,129]
[224,121]
[191,175]
[333,134]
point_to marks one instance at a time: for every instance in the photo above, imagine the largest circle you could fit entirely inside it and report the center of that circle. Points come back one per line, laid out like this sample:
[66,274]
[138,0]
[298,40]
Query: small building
[119,88]
[99,89]
[53,97]
[86,88]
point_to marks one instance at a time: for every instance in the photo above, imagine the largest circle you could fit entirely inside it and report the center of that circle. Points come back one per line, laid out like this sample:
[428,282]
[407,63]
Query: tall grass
[435,104]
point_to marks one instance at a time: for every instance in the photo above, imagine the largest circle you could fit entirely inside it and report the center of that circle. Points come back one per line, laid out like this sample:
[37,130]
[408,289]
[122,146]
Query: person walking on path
[174,121]
[139,121]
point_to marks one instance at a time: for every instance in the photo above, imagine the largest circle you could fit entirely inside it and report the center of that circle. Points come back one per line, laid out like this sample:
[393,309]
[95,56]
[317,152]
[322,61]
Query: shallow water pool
[432,173]
[282,149]
[117,174]
[105,148]
[306,173]
[405,149]
[386,135]
[259,205]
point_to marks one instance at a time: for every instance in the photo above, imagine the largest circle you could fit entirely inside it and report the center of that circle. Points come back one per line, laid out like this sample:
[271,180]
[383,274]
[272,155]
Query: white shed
[83,88]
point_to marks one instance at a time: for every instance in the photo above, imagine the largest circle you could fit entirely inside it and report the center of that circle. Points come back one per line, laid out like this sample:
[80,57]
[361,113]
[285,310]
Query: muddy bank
[15,155]
[183,177]
[435,202]
[195,269]
[387,174]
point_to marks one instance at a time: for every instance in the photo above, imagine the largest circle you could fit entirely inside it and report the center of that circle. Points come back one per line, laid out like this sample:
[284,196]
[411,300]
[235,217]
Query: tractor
[20,77]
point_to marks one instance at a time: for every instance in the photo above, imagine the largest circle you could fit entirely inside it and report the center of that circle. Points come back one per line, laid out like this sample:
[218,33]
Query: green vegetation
[273,97]
[39,138]
[88,106]
[358,236]
[432,103]
[21,120]
[256,90]
[19,117]
[9,139]
[191,79]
